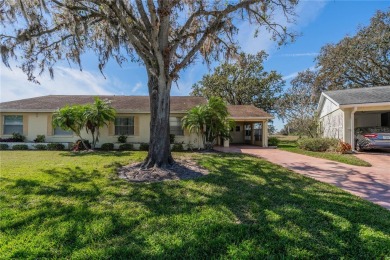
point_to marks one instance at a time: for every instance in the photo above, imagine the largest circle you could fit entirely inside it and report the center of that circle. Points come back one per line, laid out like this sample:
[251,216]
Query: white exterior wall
[332,125]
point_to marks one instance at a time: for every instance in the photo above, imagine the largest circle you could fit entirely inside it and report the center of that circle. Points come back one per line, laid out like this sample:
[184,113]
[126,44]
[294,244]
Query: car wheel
[358,148]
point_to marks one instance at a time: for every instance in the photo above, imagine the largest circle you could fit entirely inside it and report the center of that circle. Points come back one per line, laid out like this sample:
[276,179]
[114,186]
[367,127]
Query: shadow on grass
[245,208]
[97,153]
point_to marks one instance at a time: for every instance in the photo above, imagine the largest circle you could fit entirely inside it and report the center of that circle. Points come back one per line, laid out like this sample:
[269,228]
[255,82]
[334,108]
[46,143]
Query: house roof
[129,104]
[136,104]
[360,95]
[247,111]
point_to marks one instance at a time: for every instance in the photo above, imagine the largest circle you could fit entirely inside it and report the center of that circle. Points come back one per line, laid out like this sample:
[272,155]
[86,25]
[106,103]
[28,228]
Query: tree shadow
[245,208]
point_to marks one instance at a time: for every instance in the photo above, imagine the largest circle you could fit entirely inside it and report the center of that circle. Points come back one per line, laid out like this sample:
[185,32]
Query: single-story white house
[33,116]
[341,111]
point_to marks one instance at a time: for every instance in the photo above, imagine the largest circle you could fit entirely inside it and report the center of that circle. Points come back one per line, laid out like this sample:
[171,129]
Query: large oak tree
[165,36]
[242,82]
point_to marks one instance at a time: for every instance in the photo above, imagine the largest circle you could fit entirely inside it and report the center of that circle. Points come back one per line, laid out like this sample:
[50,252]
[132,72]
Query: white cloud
[137,86]
[294,74]
[300,54]
[67,81]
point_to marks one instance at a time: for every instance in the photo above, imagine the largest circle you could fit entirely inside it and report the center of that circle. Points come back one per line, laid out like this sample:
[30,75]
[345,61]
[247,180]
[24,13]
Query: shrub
[178,147]
[79,146]
[40,139]
[144,147]
[122,139]
[273,141]
[40,147]
[20,147]
[126,147]
[107,147]
[55,147]
[344,147]
[171,138]
[317,144]
[4,146]
[18,137]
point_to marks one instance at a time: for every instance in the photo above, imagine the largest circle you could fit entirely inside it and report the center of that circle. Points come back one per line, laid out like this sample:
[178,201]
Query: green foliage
[209,121]
[122,139]
[97,115]
[171,138]
[55,147]
[273,141]
[107,147]
[178,147]
[242,82]
[72,205]
[317,144]
[144,147]
[126,147]
[70,118]
[18,137]
[40,147]
[20,147]
[40,139]
[4,146]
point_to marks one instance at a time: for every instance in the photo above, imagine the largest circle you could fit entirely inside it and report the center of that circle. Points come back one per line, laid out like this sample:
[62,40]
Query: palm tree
[70,118]
[96,116]
[209,121]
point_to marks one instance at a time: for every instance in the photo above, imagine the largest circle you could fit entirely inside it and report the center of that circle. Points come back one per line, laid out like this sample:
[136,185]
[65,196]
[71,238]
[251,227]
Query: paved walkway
[371,183]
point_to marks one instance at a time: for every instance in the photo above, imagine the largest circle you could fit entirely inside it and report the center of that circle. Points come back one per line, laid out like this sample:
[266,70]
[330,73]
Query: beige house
[341,111]
[33,116]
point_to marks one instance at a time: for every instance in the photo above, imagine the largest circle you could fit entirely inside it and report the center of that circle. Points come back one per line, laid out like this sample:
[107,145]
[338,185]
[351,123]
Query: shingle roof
[360,95]
[134,104]
[246,111]
[130,103]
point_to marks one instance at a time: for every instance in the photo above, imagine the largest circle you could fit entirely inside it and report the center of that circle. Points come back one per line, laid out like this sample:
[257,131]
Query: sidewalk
[370,183]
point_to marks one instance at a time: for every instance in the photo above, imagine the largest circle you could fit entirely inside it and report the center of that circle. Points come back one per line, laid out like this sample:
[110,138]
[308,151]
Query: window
[13,124]
[238,128]
[124,125]
[60,131]
[175,126]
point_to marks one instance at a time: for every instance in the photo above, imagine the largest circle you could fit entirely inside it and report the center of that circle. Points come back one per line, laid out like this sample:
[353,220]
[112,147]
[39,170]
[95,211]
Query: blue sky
[318,22]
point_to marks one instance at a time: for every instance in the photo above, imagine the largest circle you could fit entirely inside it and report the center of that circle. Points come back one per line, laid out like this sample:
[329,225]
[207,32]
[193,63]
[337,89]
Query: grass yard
[64,205]
[291,146]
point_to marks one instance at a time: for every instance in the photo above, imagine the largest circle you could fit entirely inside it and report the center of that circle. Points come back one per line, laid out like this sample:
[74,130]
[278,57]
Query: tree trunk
[159,154]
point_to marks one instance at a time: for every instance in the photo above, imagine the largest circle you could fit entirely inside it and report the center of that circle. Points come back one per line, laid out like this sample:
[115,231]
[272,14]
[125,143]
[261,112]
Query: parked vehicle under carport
[369,138]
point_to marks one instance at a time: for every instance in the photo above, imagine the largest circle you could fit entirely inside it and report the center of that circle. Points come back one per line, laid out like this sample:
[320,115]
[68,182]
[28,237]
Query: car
[374,137]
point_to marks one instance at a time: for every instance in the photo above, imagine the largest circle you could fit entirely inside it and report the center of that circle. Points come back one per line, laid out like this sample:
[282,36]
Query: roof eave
[365,105]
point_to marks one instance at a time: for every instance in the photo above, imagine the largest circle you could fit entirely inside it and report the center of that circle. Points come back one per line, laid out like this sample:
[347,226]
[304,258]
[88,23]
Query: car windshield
[376,129]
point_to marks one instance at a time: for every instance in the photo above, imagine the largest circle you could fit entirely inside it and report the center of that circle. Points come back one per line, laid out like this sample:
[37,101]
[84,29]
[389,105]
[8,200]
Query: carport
[341,111]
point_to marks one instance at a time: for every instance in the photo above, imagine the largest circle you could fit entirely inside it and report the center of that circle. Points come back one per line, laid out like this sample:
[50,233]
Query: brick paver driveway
[371,183]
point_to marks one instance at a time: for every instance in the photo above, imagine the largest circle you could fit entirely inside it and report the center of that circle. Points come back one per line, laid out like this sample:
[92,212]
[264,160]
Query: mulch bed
[182,169]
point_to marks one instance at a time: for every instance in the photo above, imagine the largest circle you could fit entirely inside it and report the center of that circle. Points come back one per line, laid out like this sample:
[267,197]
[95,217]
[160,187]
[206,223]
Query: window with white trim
[175,126]
[124,125]
[60,131]
[12,124]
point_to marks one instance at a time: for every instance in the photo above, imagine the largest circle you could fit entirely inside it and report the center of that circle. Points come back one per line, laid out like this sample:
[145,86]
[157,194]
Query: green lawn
[60,205]
[291,146]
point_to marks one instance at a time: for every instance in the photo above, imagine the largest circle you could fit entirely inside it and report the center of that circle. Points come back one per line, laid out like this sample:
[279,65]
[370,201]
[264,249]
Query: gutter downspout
[353,128]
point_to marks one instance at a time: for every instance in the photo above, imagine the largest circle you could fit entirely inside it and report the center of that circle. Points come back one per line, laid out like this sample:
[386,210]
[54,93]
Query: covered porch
[251,126]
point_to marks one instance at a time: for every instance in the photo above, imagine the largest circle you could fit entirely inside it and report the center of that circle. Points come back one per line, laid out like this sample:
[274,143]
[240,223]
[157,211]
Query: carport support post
[353,128]
[265,133]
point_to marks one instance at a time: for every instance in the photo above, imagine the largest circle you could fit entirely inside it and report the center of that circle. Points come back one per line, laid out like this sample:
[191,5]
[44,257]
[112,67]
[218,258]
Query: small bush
[126,147]
[107,147]
[144,147]
[55,147]
[122,139]
[40,139]
[317,144]
[20,147]
[171,138]
[178,147]
[4,146]
[40,147]
[273,141]
[344,147]
[18,137]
